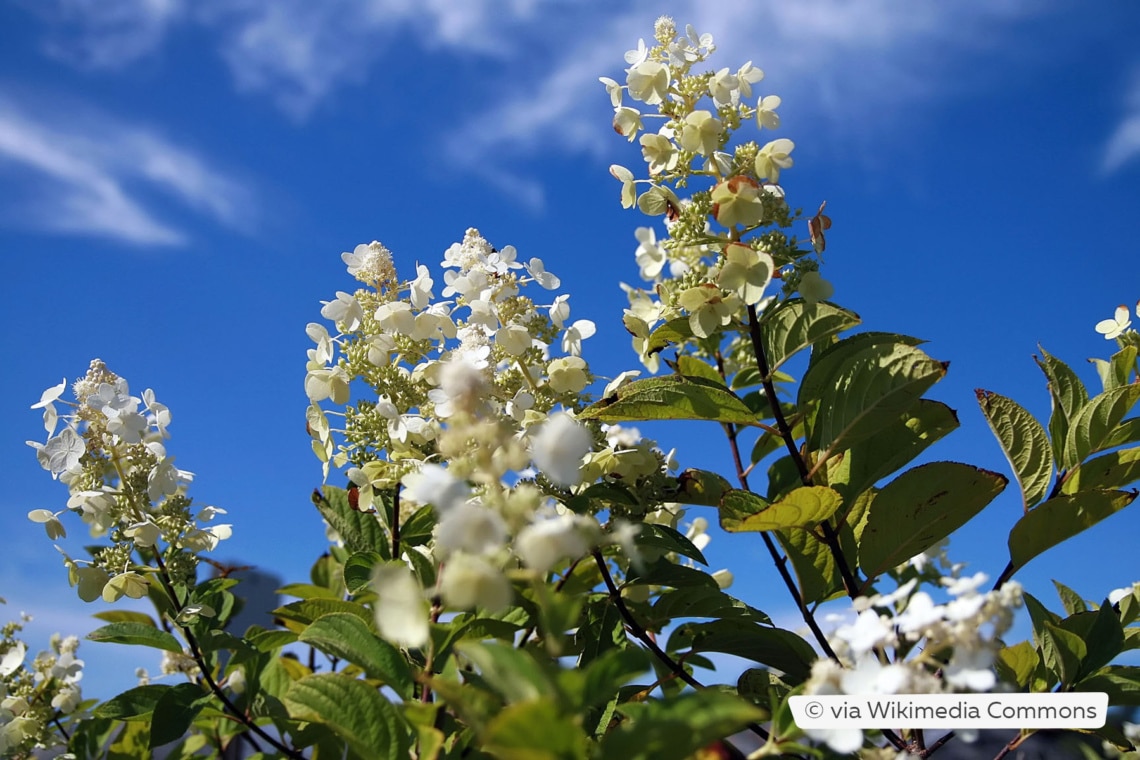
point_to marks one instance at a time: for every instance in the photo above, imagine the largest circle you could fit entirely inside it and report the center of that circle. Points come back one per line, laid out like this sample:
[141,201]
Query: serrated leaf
[665,538]
[854,395]
[1062,651]
[354,710]
[921,507]
[676,728]
[872,459]
[606,674]
[1070,600]
[308,591]
[736,506]
[700,602]
[307,611]
[1015,664]
[803,507]
[348,637]
[534,730]
[1120,682]
[795,325]
[1117,373]
[774,647]
[511,672]
[1061,518]
[358,570]
[125,616]
[175,711]
[1024,442]
[673,332]
[132,702]
[1091,429]
[1112,471]
[1102,634]
[139,634]
[1068,395]
[670,398]
[690,366]
[701,488]
[360,531]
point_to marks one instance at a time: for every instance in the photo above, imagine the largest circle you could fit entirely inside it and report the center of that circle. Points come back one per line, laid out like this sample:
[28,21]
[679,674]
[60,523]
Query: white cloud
[1124,145]
[852,63]
[106,34]
[88,174]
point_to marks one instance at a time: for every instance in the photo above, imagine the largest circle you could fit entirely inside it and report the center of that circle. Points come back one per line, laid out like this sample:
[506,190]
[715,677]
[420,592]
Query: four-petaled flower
[1115,327]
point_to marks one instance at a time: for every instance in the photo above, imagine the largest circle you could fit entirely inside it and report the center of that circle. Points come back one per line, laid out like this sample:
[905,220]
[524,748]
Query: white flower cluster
[110,453]
[959,643]
[457,404]
[725,244]
[33,699]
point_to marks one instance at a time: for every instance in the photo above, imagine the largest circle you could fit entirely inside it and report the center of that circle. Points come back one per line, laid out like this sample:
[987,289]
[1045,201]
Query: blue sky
[178,180]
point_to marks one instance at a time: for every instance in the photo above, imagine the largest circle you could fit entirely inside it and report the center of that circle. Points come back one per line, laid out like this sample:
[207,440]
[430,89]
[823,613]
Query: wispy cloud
[1123,145]
[106,34]
[90,174]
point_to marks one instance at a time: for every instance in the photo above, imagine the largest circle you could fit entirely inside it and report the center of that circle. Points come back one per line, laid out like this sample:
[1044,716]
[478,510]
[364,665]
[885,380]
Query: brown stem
[200,660]
[395,524]
[645,638]
[830,537]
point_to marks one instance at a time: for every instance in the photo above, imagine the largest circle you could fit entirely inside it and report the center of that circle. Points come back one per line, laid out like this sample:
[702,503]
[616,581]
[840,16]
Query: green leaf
[175,711]
[854,395]
[308,591]
[140,634]
[132,703]
[1062,652]
[670,398]
[534,730]
[125,616]
[354,710]
[606,674]
[349,638]
[774,647]
[1024,442]
[307,611]
[1039,614]
[872,459]
[360,531]
[1092,428]
[665,538]
[673,332]
[1102,634]
[1068,394]
[921,507]
[1120,682]
[676,728]
[701,602]
[701,488]
[690,366]
[802,508]
[358,570]
[417,529]
[736,506]
[1070,599]
[1015,664]
[1061,518]
[1117,372]
[1113,470]
[665,573]
[795,324]
[511,672]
